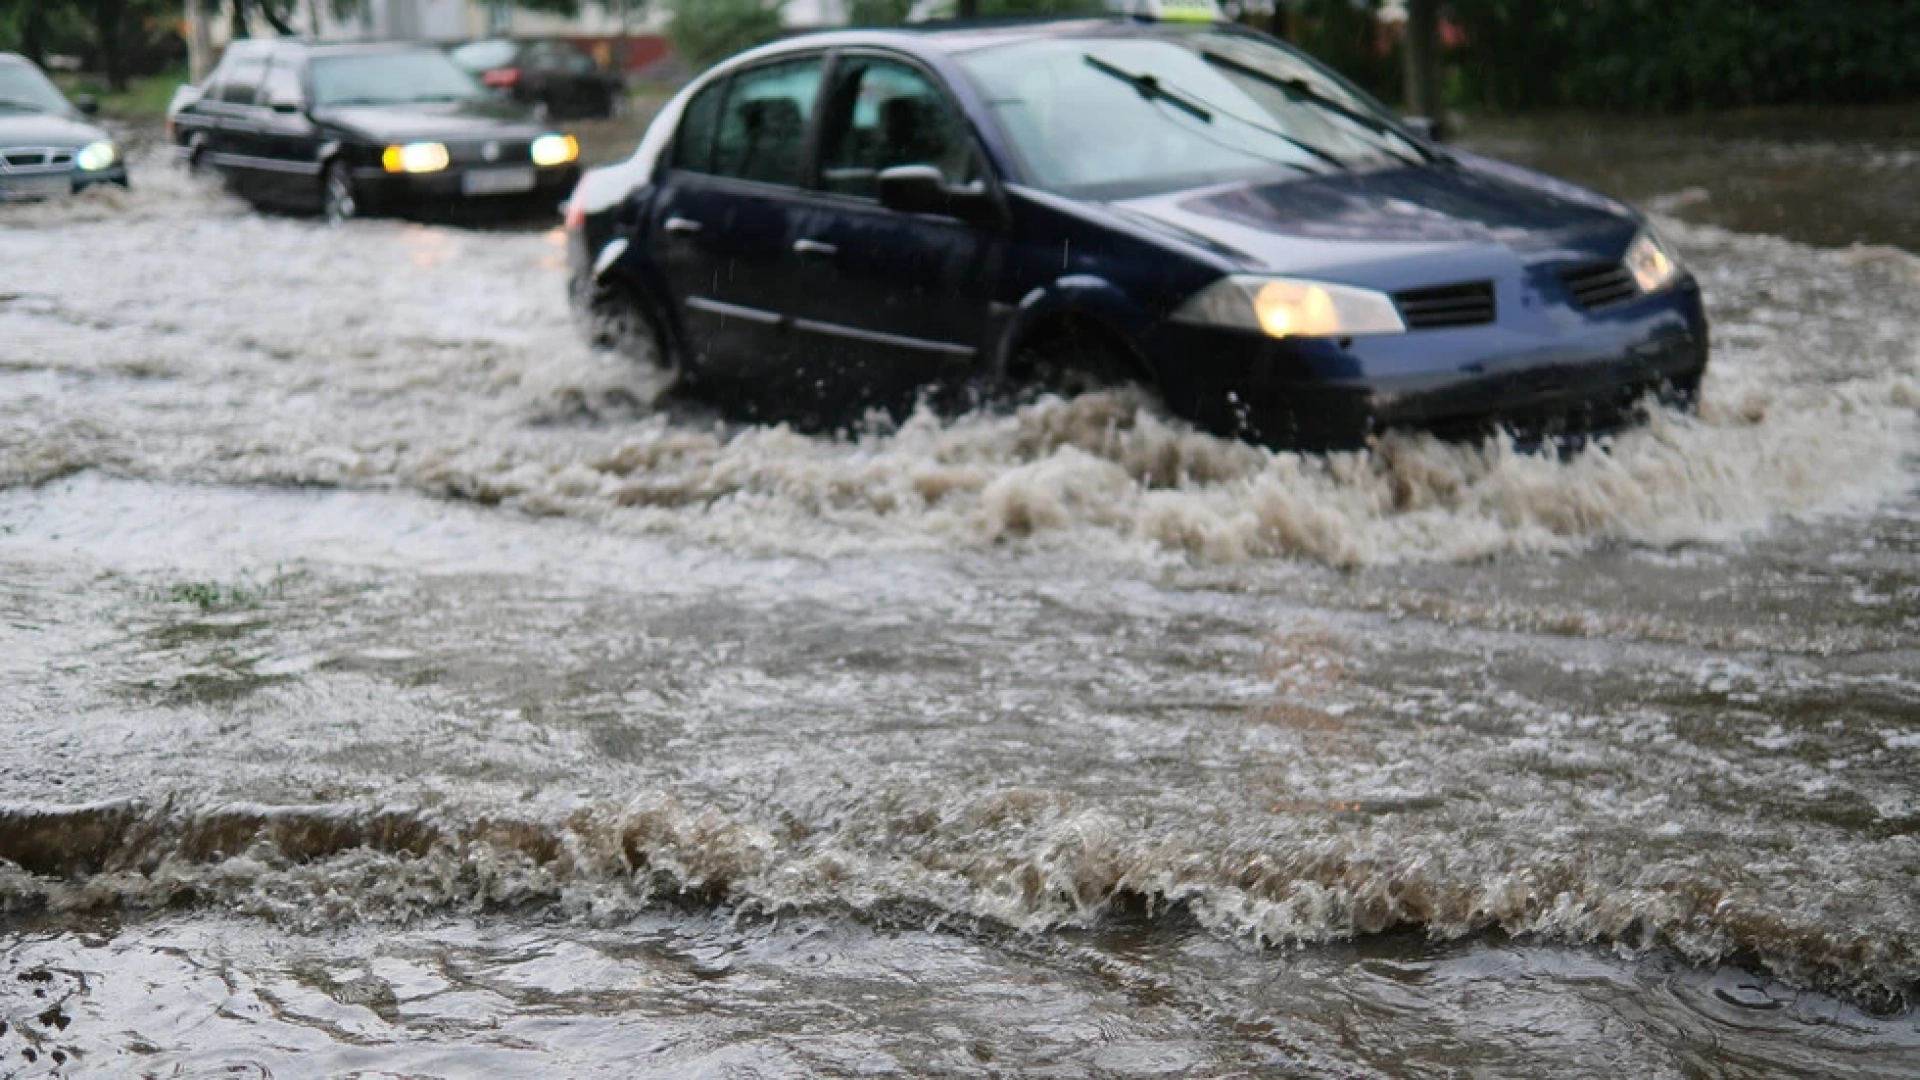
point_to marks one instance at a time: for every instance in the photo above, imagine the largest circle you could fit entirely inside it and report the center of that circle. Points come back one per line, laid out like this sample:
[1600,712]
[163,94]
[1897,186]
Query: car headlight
[419,157]
[94,157]
[1289,307]
[1651,261]
[555,149]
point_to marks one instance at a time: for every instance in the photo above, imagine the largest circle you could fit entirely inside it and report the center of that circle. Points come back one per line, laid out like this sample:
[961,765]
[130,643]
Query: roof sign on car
[1170,10]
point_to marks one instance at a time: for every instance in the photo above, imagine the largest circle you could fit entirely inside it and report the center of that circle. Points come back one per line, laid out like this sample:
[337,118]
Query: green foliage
[704,31]
[892,12]
[1670,54]
[1346,36]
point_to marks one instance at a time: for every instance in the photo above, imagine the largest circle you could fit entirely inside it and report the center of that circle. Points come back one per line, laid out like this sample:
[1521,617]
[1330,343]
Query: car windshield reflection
[394,78]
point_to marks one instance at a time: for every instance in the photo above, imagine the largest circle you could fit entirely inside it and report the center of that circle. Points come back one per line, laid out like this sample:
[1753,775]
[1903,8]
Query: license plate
[35,187]
[497,181]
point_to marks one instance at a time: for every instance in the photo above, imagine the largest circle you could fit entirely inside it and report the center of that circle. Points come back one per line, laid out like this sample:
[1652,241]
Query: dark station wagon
[353,129]
[848,219]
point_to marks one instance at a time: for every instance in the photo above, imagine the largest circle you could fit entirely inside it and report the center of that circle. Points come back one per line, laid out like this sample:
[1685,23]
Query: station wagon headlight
[96,156]
[555,149]
[419,157]
[1653,264]
[1289,307]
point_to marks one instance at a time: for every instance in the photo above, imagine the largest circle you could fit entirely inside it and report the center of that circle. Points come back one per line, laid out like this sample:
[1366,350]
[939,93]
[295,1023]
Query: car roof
[955,36]
[312,47]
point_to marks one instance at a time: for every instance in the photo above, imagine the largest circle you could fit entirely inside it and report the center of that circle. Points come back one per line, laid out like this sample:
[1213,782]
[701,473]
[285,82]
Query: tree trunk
[33,33]
[277,19]
[199,41]
[108,17]
[1421,48]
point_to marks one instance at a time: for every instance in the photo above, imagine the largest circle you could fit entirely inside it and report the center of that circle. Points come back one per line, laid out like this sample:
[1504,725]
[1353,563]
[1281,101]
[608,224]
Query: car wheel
[1070,358]
[337,196]
[614,319]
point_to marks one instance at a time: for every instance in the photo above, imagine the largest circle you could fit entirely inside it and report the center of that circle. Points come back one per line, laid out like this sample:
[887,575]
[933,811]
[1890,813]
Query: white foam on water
[233,347]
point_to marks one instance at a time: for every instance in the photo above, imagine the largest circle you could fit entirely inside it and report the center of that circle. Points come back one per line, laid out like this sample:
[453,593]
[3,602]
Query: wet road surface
[392,685]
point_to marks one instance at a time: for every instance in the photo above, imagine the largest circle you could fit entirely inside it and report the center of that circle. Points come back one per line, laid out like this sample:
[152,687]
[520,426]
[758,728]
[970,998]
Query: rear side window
[693,143]
[763,128]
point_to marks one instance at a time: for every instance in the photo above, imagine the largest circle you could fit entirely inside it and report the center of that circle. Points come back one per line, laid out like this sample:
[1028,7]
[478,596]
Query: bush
[705,31]
[1670,54]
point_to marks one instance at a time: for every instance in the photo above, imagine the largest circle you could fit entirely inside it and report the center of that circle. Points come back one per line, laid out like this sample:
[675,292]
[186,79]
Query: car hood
[46,129]
[437,121]
[1390,216]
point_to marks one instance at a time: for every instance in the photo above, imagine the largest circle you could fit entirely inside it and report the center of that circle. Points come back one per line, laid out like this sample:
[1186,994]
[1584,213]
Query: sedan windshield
[24,89]
[391,78]
[1117,116]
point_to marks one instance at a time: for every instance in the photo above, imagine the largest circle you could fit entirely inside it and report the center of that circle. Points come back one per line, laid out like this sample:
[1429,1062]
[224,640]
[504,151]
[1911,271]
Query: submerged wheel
[1070,358]
[337,196]
[613,318]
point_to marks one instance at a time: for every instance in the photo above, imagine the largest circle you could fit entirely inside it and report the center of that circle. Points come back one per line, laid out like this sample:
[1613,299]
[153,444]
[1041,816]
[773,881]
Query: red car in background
[553,75]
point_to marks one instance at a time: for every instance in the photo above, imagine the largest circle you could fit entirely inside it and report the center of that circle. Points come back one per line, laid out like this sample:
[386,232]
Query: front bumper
[14,186]
[382,189]
[1538,382]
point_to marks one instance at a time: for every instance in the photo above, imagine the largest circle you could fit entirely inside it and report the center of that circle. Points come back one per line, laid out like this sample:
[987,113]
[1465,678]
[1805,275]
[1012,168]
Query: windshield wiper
[1299,89]
[365,101]
[28,106]
[1150,88]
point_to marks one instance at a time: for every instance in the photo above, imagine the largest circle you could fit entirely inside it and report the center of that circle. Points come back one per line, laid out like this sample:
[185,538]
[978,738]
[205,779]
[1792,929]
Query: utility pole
[199,40]
[1421,48]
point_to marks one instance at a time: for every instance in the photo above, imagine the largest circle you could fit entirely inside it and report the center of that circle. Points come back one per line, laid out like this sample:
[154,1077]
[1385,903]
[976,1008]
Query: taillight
[501,77]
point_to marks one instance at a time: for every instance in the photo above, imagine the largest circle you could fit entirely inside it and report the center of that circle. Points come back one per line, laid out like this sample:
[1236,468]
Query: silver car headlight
[1651,261]
[1291,307]
[94,157]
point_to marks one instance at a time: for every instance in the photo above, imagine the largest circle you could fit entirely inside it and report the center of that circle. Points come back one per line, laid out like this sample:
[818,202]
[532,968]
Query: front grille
[32,159]
[1598,285]
[1468,304]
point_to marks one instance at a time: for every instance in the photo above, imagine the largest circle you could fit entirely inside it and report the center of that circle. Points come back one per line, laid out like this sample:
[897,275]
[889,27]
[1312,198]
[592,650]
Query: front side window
[281,85]
[391,78]
[763,126]
[1116,115]
[885,114]
[237,87]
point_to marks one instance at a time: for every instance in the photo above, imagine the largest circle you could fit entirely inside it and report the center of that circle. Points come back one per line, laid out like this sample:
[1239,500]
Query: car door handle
[814,247]
[680,226]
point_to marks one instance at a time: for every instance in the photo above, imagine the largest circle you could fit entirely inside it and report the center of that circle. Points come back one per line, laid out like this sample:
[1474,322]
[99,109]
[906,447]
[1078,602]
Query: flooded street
[392,686]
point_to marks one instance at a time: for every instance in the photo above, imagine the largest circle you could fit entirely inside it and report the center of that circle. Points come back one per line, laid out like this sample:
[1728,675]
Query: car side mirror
[1426,127]
[921,189]
[87,104]
[284,105]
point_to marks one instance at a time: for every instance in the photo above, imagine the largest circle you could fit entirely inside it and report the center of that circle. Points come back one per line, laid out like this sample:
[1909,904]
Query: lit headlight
[1287,307]
[96,156]
[416,157]
[555,149]
[1653,264]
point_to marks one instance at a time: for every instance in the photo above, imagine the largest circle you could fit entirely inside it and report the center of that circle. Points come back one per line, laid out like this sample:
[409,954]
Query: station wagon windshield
[391,78]
[1117,116]
[22,89]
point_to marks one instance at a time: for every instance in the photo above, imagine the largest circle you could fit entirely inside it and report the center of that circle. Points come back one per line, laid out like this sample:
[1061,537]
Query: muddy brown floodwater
[392,686]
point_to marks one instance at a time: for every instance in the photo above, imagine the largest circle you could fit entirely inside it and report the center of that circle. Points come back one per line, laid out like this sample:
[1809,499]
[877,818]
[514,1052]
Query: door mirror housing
[284,105]
[87,104]
[922,189]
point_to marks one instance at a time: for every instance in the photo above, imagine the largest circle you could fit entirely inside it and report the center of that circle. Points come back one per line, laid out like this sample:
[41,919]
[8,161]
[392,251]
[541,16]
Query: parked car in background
[845,219]
[48,147]
[357,129]
[554,75]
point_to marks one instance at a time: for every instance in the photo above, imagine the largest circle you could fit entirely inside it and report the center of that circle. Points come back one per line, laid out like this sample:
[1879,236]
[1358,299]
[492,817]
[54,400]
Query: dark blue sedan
[852,219]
